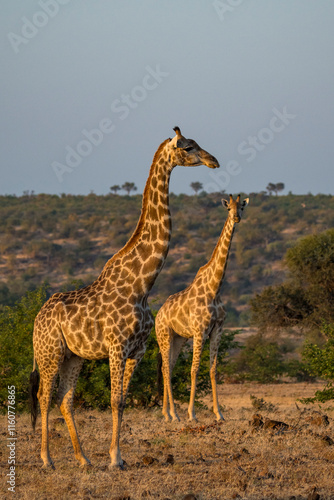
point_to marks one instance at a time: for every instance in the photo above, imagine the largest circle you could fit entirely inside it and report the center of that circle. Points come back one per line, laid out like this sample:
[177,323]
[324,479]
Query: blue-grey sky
[90,89]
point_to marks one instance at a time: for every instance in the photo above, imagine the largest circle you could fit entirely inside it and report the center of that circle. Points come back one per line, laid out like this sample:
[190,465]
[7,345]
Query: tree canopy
[129,186]
[275,187]
[196,186]
[306,298]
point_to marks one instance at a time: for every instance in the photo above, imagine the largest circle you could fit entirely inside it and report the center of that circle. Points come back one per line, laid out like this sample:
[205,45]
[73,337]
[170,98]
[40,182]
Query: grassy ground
[231,460]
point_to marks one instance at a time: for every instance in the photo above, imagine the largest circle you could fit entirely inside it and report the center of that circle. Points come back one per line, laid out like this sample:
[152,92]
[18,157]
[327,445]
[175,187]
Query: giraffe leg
[47,381]
[176,347]
[197,351]
[131,364]
[164,340]
[169,361]
[167,341]
[214,346]
[117,368]
[128,372]
[168,410]
[69,373]
[165,406]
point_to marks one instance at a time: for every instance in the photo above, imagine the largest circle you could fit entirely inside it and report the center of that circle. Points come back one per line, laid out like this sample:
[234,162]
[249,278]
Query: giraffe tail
[33,389]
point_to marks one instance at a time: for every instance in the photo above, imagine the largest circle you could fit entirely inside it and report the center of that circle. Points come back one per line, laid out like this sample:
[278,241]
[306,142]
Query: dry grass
[212,461]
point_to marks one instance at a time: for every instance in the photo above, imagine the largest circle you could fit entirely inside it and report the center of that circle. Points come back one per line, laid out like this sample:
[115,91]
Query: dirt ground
[229,460]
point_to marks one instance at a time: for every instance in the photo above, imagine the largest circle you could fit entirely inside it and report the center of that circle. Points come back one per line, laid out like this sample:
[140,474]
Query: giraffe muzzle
[208,160]
[211,162]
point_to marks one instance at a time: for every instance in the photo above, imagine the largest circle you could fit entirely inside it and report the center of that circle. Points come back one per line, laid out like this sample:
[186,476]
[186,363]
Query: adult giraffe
[198,313]
[109,318]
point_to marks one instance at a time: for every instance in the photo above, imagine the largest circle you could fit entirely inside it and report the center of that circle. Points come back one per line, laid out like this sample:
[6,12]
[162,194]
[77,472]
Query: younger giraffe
[197,312]
[109,318]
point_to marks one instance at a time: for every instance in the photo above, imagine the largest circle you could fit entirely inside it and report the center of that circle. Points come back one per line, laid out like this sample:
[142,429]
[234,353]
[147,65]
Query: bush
[320,363]
[16,354]
[259,360]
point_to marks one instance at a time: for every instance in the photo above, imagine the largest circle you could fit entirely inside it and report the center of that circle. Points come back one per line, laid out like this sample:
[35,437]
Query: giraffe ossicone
[109,318]
[198,313]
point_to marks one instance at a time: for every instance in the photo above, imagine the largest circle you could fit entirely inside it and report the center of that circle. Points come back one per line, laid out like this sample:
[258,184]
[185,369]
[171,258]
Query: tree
[196,186]
[129,186]
[115,188]
[306,298]
[270,188]
[275,187]
[279,187]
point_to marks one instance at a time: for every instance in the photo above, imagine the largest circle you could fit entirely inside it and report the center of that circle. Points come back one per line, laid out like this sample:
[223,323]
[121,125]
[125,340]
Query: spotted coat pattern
[110,318]
[198,313]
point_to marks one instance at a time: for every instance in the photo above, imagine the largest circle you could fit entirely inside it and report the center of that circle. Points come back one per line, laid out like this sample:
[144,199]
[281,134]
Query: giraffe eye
[189,148]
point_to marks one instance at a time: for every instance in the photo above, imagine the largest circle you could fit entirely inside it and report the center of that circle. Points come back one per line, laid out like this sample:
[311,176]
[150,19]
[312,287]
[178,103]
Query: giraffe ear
[224,203]
[245,202]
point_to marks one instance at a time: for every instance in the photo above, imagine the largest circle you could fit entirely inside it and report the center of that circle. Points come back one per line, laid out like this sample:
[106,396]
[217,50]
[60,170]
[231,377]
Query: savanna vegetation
[279,281]
[58,239]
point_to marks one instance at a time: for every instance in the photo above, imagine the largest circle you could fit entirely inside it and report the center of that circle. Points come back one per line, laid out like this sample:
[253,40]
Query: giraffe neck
[215,269]
[144,254]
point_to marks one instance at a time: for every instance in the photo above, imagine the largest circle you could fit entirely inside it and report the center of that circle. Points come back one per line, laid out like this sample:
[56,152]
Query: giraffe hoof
[120,466]
[86,465]
[48,466]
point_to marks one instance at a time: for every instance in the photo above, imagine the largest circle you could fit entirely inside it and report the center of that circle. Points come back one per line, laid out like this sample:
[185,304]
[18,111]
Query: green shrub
[259,360]
[16,353]
[320,363]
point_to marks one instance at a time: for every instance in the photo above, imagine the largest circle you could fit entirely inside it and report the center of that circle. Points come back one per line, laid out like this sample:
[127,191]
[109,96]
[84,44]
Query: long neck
[144,254]
[214,270]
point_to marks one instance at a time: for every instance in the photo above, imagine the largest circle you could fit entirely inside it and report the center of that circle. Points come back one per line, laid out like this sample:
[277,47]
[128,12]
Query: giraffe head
[235,207]
[188,153]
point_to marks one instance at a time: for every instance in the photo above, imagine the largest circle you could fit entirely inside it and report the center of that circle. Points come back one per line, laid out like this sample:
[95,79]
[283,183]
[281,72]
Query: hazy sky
[89,89]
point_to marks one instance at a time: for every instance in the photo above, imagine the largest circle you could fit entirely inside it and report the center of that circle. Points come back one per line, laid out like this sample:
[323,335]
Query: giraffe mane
[214,252]
[136,234]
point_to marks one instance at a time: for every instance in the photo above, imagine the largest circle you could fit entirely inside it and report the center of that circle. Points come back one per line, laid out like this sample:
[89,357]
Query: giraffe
[110,318]
[198,313]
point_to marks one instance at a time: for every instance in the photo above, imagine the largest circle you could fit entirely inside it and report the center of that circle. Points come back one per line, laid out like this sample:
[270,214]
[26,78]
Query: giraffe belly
[87,342]
[189,321]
